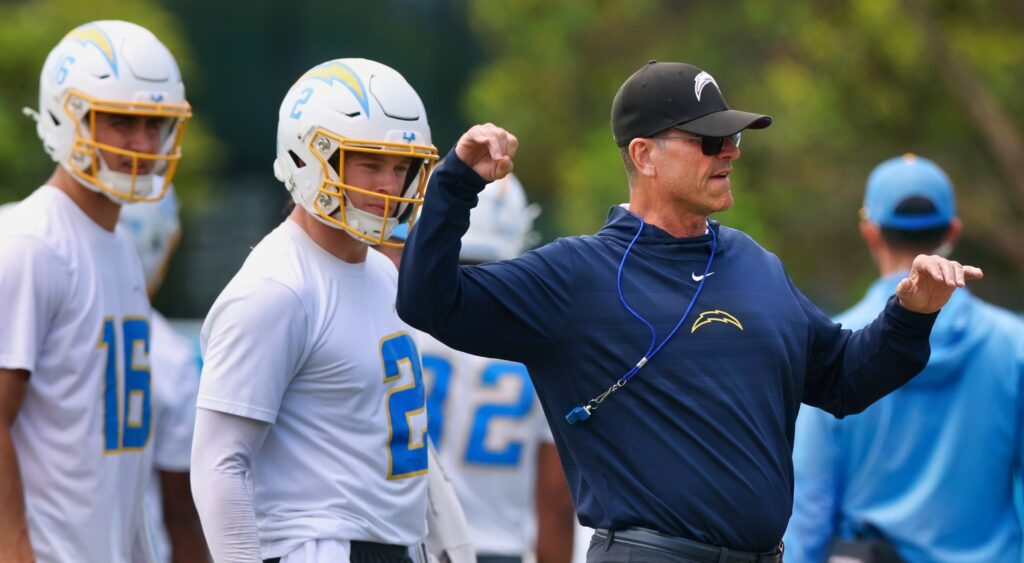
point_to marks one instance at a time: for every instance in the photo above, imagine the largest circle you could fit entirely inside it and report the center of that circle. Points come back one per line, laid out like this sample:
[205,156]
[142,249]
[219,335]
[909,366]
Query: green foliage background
[28,30]
[849,84]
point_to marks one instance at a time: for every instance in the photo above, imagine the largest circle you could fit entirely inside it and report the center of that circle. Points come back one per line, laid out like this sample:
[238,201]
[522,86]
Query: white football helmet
[120,68]
[155,230]
[8,207]
[7,212]
[352,105]
[500,226]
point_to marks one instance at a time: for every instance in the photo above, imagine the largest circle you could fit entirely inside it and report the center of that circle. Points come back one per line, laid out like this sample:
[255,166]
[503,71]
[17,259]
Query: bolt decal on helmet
[349,106]
[118,68]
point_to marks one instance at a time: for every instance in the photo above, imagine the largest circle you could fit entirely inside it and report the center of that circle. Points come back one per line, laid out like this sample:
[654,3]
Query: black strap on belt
[365,548]
[651,539]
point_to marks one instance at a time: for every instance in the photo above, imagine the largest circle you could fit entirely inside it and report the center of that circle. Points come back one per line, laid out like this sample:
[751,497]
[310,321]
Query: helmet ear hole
[404,211]
[414,169]
[295,158]
[335,161]
[54,118]
[405,214]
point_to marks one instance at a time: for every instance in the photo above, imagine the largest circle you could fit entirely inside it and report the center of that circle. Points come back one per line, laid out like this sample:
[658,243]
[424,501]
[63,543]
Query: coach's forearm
[430,279]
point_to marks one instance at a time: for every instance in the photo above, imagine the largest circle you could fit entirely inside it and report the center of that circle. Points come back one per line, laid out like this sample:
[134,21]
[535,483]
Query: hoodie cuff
[908,322]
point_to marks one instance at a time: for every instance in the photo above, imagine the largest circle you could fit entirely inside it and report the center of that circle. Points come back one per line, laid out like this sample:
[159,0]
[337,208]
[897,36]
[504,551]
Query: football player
[75,393]
[310,441]
[448,539]
[5,211]
[171,517]
[487,422]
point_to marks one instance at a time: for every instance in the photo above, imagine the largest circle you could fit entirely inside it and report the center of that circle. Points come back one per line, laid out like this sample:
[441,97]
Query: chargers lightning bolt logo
[702,80]
[91,34]
[716,316]
[334,71]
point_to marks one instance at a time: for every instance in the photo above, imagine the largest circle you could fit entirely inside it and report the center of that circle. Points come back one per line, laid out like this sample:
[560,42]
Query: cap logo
[702,80]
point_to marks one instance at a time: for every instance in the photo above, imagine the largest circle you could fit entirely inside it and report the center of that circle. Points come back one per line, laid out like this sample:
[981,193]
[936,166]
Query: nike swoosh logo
[697,278]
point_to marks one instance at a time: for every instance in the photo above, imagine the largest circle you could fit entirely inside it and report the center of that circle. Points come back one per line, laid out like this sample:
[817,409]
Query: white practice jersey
[314,346]
[76,316]
[581,542]
[175,386]
[487,423]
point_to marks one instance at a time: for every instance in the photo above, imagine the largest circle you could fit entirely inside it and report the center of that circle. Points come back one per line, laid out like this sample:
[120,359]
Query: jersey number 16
[126,406]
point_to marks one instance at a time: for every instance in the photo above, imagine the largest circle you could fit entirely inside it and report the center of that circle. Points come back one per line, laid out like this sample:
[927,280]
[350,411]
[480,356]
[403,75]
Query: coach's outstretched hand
[931,281]
[488,150]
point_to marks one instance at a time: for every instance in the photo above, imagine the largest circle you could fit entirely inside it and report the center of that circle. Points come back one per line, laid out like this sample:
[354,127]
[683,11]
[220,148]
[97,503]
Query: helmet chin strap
[123,183]
[117,181]
[368,224]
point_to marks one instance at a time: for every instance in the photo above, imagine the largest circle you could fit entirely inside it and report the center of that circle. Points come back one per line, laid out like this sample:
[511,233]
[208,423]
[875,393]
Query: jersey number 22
[405,405]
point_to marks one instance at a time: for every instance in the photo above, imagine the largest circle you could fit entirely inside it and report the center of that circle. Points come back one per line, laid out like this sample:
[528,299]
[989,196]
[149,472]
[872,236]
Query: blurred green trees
[849,84]
[28,30]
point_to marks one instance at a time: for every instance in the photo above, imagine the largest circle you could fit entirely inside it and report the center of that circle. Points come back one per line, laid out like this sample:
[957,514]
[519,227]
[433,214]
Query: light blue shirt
[931,466]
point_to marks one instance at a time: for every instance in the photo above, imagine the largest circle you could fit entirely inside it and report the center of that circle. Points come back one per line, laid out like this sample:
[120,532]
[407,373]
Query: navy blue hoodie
[698,444]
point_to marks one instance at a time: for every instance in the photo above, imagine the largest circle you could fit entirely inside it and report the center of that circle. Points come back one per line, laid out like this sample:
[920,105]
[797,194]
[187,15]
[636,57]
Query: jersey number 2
[407,446]
[477,451]
[126,412]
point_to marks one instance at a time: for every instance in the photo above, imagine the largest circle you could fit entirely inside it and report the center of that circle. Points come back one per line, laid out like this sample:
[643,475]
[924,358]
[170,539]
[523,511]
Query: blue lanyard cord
[622,298]
[583,412]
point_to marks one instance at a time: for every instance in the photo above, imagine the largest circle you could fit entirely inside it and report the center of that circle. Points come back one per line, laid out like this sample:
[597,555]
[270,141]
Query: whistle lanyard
[584,411]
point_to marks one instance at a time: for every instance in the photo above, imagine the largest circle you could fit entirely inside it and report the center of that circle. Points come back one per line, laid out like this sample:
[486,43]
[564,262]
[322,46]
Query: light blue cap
[401,232]
[897,179]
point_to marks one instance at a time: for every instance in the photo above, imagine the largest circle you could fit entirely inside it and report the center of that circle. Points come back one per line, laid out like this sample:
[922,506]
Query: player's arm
[181,518]
[32,281]
[14,541]
[555,512]
[253,341]
[172,452]
[223,450]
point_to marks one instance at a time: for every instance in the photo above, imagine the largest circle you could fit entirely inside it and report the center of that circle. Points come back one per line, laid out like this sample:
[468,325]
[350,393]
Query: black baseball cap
[662,95]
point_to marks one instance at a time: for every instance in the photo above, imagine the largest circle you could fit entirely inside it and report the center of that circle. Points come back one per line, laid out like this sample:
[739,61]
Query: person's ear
[956,228]
[872,235]
[640,150]
[945,248]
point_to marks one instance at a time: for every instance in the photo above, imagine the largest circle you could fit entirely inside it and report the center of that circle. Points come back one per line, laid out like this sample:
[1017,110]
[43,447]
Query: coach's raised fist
[488,150]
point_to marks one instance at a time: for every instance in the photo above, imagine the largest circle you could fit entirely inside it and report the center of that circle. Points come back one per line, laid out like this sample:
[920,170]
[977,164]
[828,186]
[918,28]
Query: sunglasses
[710,146]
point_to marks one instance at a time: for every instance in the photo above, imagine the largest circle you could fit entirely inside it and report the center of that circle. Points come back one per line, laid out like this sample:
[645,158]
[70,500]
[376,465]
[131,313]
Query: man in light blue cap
[927,472]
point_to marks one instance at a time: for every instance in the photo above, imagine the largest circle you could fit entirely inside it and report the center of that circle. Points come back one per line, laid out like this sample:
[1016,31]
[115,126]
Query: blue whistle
[577,414]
